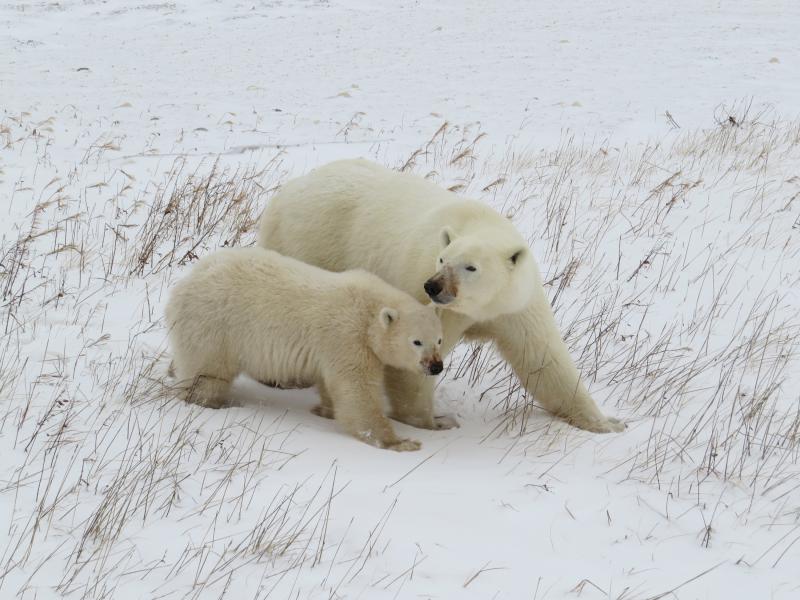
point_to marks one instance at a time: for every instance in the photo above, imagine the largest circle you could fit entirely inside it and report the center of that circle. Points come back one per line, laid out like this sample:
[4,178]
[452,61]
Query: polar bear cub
[274,318]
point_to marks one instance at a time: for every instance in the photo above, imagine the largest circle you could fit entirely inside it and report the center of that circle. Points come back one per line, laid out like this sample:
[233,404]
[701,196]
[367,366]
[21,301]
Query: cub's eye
[440,341]
[471,268]
[441,261]
[417,343]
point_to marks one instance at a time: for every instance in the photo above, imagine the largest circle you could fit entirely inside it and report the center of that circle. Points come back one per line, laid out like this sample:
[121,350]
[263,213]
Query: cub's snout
[433,365]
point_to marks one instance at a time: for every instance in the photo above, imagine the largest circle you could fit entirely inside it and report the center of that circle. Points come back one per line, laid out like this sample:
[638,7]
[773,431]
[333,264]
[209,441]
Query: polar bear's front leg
[411,400]
[357,406]
[531,342]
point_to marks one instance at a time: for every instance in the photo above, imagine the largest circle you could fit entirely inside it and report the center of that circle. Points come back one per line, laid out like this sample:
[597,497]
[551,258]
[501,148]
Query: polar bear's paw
[404,445]
[602,425]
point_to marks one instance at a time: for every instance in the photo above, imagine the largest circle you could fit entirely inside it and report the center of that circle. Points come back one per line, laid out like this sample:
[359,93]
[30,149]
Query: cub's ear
[387,316]
[446,236]
[517,255]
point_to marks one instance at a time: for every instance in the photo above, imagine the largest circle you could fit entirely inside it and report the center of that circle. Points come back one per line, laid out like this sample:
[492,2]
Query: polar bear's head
[408,336]
[482,274]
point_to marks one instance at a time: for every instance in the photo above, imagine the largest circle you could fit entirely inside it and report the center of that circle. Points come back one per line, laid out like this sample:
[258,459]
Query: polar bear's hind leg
[325,406]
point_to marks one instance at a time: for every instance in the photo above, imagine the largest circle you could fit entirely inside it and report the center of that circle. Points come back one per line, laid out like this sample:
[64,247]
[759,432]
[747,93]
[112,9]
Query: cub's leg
[411,400]
[325,406]
[203,372]
[357,406]
[209,391]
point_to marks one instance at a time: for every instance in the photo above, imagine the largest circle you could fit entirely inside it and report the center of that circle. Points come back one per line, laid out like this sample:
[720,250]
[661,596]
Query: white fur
[276,319]
[355,214]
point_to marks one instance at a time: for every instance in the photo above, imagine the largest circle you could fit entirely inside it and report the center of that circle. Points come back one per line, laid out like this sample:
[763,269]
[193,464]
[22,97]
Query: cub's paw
[322,411]
[445,422]
[403,445]
[215,402]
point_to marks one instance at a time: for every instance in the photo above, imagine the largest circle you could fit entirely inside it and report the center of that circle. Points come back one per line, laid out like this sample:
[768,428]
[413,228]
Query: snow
[136,136]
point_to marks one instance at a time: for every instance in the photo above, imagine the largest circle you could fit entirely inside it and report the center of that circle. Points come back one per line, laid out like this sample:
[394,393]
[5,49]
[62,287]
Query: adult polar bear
[433,244]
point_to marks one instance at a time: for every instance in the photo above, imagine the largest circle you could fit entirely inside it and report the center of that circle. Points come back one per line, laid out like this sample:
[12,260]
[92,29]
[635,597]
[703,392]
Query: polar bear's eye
[471,268]
[441,261]
[417,343]
[440,341]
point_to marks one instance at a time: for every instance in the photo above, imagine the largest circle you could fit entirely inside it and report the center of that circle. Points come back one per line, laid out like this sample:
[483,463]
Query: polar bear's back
[357,214]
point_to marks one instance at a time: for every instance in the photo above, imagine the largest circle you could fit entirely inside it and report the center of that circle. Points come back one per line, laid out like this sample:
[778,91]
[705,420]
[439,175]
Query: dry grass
[660,260]
[625,314]
[198,210]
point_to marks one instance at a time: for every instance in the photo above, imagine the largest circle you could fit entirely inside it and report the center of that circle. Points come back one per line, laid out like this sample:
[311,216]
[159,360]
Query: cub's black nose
[436,368]
[432,288]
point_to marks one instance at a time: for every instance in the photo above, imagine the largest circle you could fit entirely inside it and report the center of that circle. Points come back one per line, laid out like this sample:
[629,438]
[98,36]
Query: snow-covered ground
[651,152]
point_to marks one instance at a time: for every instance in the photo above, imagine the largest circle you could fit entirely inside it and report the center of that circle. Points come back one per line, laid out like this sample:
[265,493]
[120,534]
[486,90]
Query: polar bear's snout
[441,288]
[432,287]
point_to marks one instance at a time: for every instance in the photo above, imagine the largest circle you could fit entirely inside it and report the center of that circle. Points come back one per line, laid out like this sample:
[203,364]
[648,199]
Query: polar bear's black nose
[432,288]
[436,367]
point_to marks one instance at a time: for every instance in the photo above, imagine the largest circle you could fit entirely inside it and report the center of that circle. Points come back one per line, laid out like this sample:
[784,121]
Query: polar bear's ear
[387,316]
[517,255]
[446,235]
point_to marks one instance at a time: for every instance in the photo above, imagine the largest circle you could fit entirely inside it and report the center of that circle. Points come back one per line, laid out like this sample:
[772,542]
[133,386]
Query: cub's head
[408,337]
[482,274]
